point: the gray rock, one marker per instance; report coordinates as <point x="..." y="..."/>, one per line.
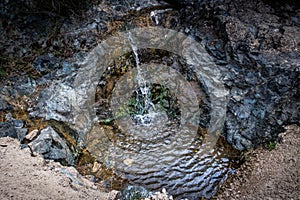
<point x="135" y="192"/>
<point x="25" y="86"/>
<point x="258" y="57"/>
<point x="52" y="146"/>
<point x="4" y="105"/>
<point x="21" y="132"/>
<point x="55" y="102"/>
<point x="13" y="128"/>
<point x="46" y="64"/>
<point x="62" y="101"/>
<point x="8" y="130"/>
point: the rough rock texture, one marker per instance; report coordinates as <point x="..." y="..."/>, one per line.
<point x="25" y="177"/>
<point x="7" y="130"/>
<point x="134" y="192"/>
<point x="52" y="146"/>
<point x="259" y="58"/>
<point x="258" y="55"/>
<point x="4" y="105"/>
<point x="255" y="45"/>
<point x="12" y="128"/>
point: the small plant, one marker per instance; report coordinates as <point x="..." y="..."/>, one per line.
<point x="107" y="121"/>
<point x="160" y="99"/>
<point x="2" y="72"/>
<point x="271" y="145"/>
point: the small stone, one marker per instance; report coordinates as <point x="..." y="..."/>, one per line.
<point x="96" y="167"/>
<point x="113" y="194"/>
<point x="30" y="136"/>
<point x="128" y="162"/>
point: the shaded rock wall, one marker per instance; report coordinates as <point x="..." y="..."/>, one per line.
<point x="255" y="45"/>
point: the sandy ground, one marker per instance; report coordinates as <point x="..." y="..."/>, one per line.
<point x="268" y="174"/>
<point x="25" y="177"/>
<point x="265" y="175"/>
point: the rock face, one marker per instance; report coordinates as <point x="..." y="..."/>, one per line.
<point x="254" y="45"/>
<point x="260" y="62"/>
<point x="258" y="57"/>
<point x="262" y="72"/>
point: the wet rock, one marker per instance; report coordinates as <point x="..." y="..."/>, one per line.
<point x="16" y="87"/>
<point x="134" y="192"/>
<point x="255" y="45"/>
<point x="52" y="67"/>
<point x="25" y="87"/>
<point x="52" y="146"/>
<point x="67" y="69"/>
<point x="21" y="132"/>
<point x="17" y="123"/>
<point x="61" y="101"/>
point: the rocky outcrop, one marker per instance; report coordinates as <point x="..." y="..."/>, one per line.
<point x="254" y="46"/>
<point x="52" y="146"/>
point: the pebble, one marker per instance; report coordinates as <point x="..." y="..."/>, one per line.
<point x="30" y="136"/>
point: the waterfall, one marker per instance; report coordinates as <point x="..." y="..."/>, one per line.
<point x="146" y="108"/>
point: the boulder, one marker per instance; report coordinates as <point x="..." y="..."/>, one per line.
<point x="52" y="146"/>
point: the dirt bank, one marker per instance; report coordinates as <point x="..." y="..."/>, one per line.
<point x="268" y="174"/>
<point x="25" y="177"/>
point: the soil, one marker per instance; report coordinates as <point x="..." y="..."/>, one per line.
<point x="268" y="174"/>
<point x="23" y="176"/>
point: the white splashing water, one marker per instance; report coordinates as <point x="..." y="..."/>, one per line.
<point x="149" y="107"/>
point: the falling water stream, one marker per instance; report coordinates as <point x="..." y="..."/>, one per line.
<point x="147" y="110"/>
